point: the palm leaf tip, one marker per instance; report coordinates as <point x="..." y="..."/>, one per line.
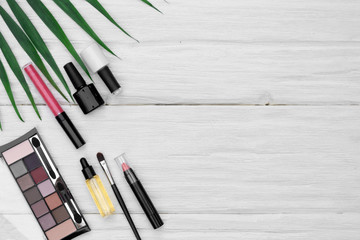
<point x="37" y="40"/>
<point x="75" y="15"/>
<point x="28" y="47"/>
<point x="151" y="5"/>
<point x="97" y="5"/>
<point x="6" y="83"/>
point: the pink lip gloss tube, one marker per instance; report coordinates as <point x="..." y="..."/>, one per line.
<point x="54" y="106"/>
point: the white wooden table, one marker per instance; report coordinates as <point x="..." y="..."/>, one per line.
<point x="241" y="118"/>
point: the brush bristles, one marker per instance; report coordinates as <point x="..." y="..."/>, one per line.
<point x="100" y="157"/>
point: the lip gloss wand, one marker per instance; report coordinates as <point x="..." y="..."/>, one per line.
<point x="106" y="169"/>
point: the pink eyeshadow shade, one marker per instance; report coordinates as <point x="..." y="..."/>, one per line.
<point x="18" y="152"/>
<point x="40" y="208"/>
<point x="47" y="222"/>
<point x="46" y="188"/>
<point x="61" y="231"/>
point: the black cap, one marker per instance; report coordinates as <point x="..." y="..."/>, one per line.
<point x="87" y="170"/>
<point x="87" y="96"/>
<point x="74" y="75"/>
<point x="109" y="79"/>
<point x="70" y="130"/>
<point x="156" y="221"/>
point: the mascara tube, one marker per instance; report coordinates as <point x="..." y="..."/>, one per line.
<point x="140" y="192"/>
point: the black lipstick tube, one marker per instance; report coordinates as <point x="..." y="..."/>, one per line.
<point x="140" y="193"/>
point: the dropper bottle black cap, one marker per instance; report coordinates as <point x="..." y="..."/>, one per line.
<point x="87" y="96"/>
<point x="87" y="170"/>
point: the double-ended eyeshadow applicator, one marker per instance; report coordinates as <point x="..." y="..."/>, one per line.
<point x="108" y="174"/>
<point x="54" y="106"/>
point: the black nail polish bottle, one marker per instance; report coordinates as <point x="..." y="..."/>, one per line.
<point x="87" y="96"/>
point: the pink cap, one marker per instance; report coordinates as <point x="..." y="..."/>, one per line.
<point x="122" y="162"/>
<point x="43" y="89"/>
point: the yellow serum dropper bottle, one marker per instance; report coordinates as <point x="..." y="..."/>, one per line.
<point x="97" y="190"/>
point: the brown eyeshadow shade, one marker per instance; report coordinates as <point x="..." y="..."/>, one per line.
<point x="39" y="208"/>
<point x="25" y="182"/>
<point x="32" y="195"/>
<point x="39" y="175"/>
<point x="61" y="231"/>
<point x="32" y="162"/>
<point x="47" y="222"/>
<point x="60" y="214"/>
<point x="53" y="201"/>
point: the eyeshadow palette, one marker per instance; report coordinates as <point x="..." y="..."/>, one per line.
<point x="43" y="187"/>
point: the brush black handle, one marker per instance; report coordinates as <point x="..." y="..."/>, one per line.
<point x="125" y="210"/>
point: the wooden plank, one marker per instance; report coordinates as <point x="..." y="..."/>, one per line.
<point x="211" y="159"/>
<point x="190" y="226"/>
<point x="221" y="73"/>
<point x="220" y="20"/>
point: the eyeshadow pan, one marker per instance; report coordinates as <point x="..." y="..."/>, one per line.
<point x="18" y="169"/>
<point x="18" y="152"/>
<point x="39" y="175"/>
<point x="32" y="195"/>
<point x="46" y="188"/>
<point x="47" y="222"/>
<point x="32" y="162"/>
<point x="25" y="182"/>
<point x="53" y="201"/>
<point x="40" y="208"/>
<point x="61" y="231"/>
<point x="60" y="214"/>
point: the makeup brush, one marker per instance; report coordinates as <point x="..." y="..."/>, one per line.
<point x="106" y="169"/>
<point x="36" y="143"/>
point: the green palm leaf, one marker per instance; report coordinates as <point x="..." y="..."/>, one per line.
<point x="102" y="10"/>
<point x="50" y="21"/>
<point x="74" y="14"/>
<point x="28" y="47"/>
<point x="149" y="3"/>
<point x="5" y="81"/>
<point x="15" y="67"/>
<point x="37" y="40"/>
